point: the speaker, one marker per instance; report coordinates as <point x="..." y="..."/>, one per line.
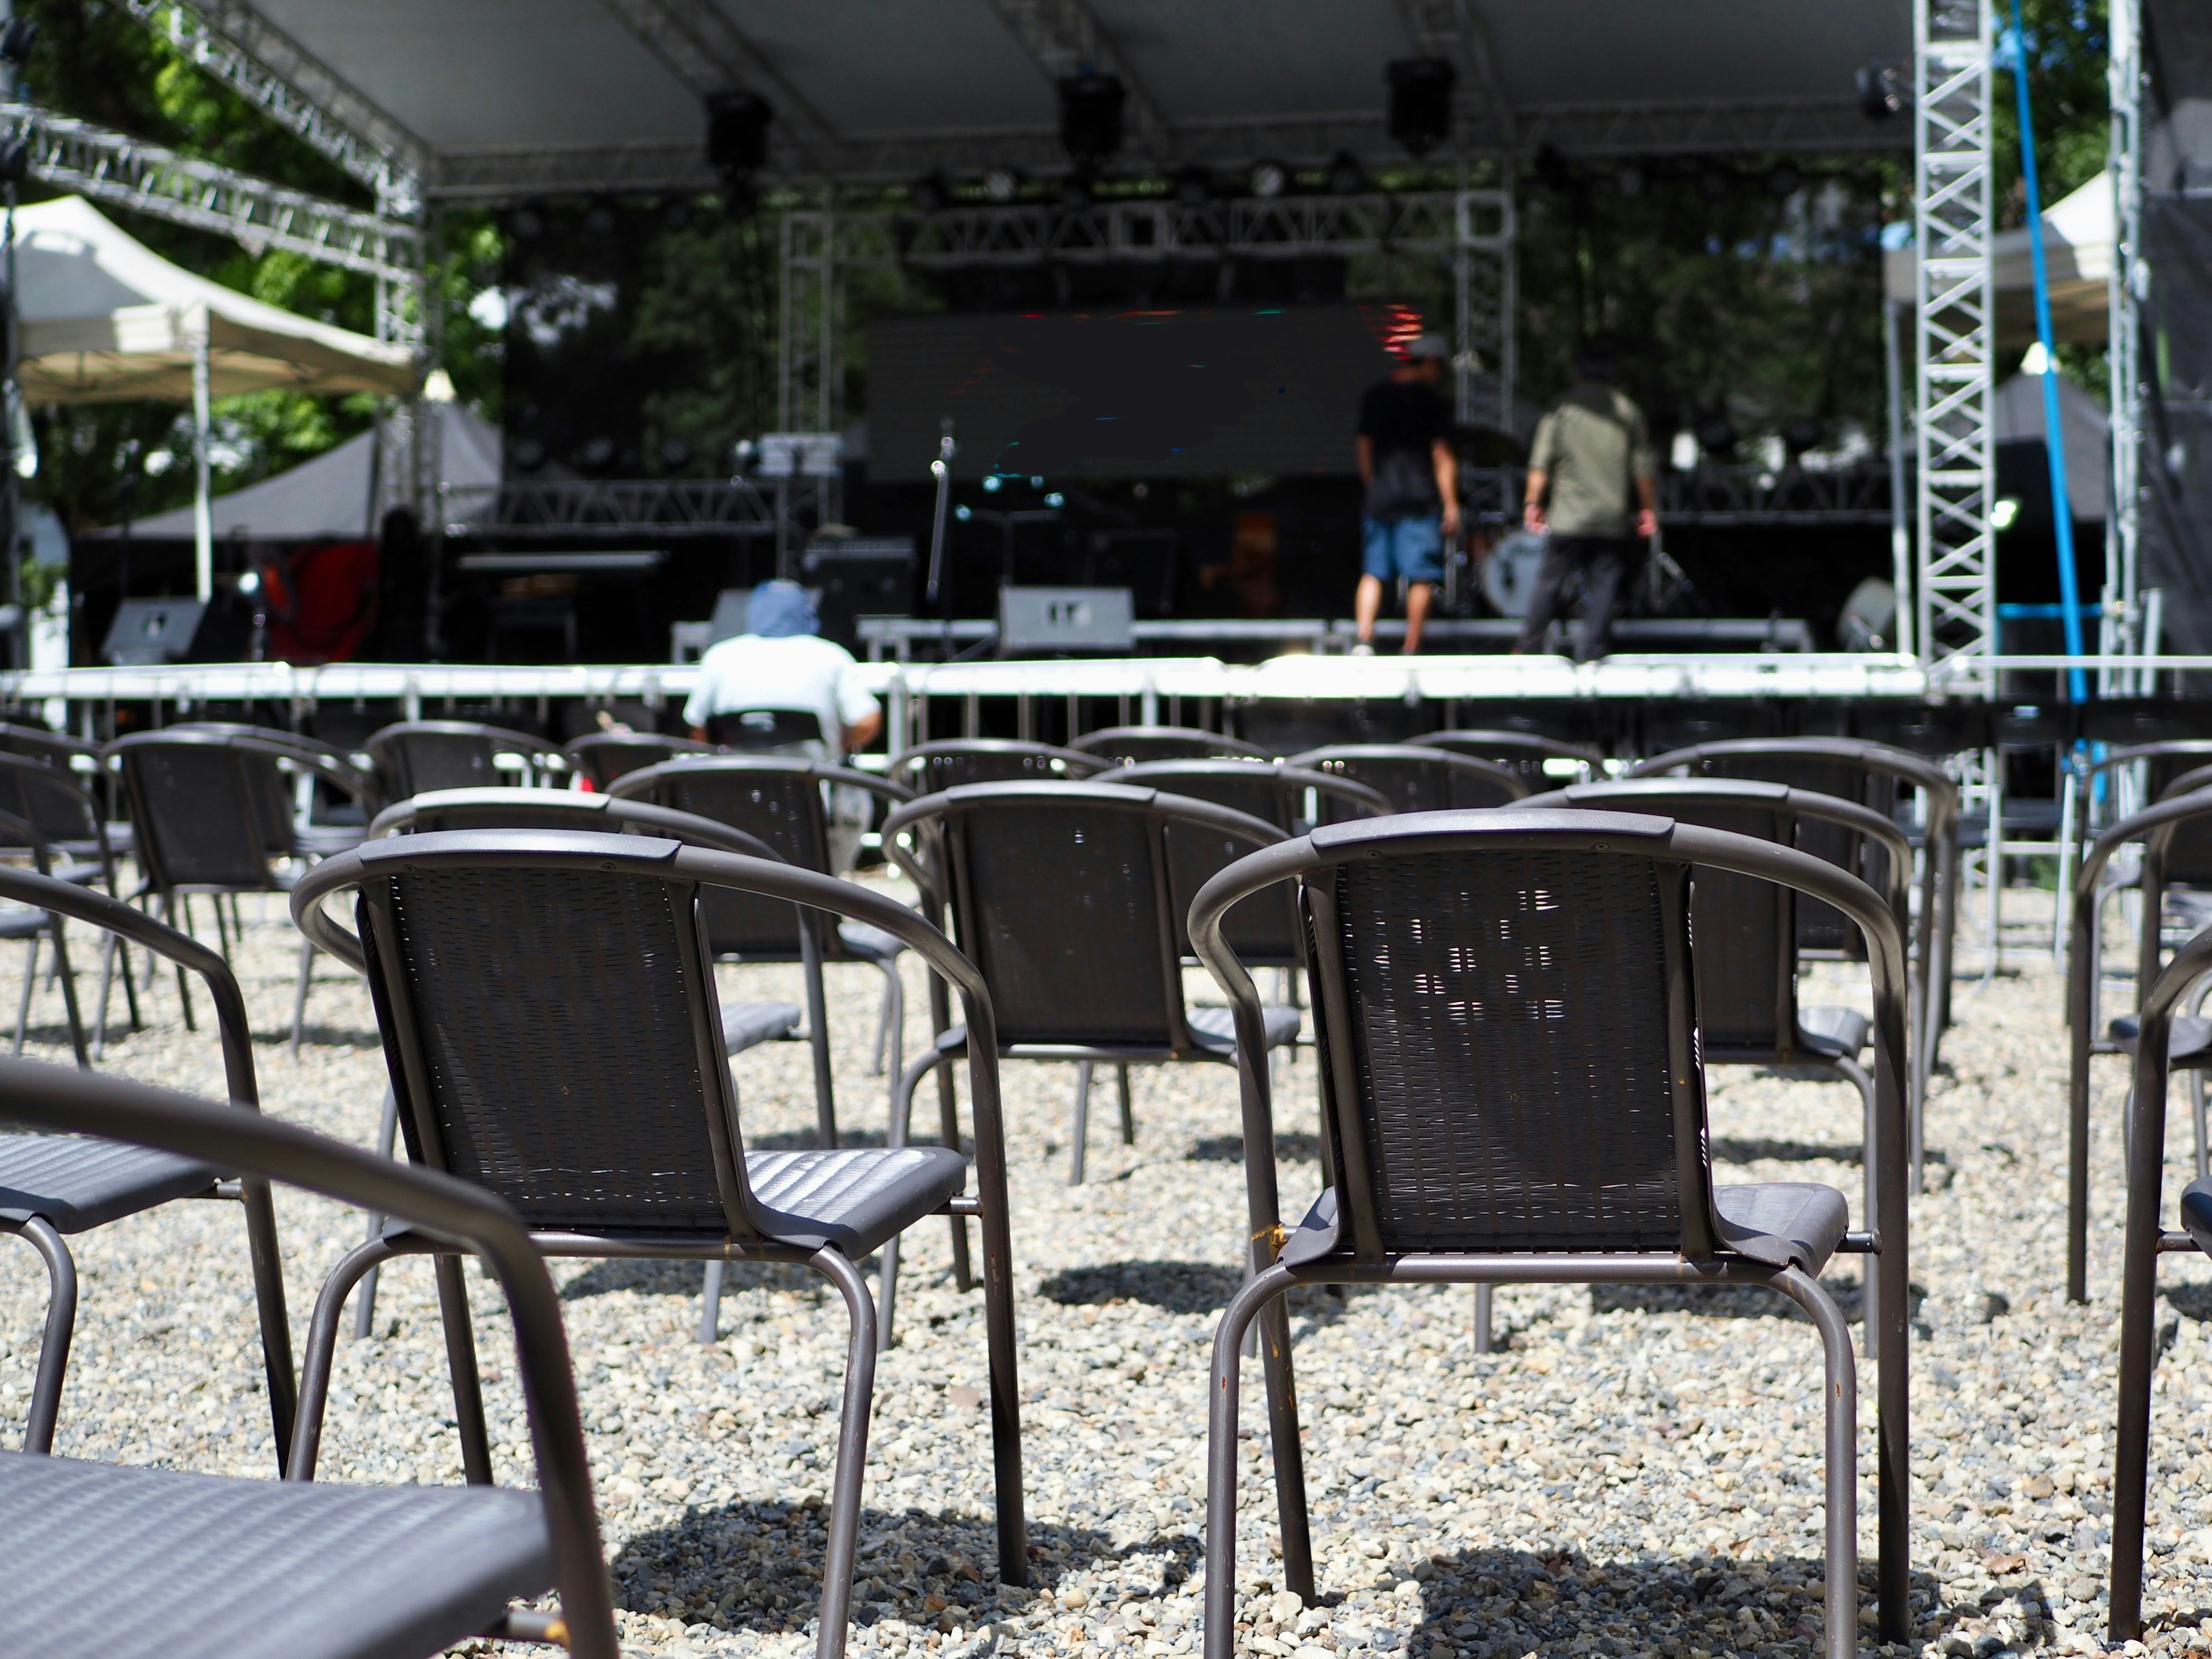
<point x="1037" y="622"/>
<point x="147" y="633"/>
<point x="858" y="577"/>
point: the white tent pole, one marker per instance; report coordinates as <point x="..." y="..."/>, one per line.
<point x="203" y="513"/>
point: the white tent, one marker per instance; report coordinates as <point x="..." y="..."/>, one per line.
<point x="327" y="498"/>
<point x="2077" y="249"/>
<point x="2017" y="414"/>
<point x="100" y="316"/>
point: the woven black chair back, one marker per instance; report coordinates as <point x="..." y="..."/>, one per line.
<point x="1413" y="777"/>
<point x="2188" y="859"/>
<point x="1511" y="1032"/>
<point x="1525" y="753"/>
<point x="769" y="732"/>
<point x="206" y="812"/>
<point x="960" y="763"/>
<point x="1136" y="745"/>
<point x="779" y="803"/>
<point x="552" y="1031"/>
<point x="1820" y="926"/>
<point x="417" y="756"/>
<point x="602" y="756"/>
<point x="50" y="798"/>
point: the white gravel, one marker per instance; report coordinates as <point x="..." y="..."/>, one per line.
<point x="1638" y="1473"/>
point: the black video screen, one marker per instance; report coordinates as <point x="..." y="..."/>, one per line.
<point x="1213" y="392"/>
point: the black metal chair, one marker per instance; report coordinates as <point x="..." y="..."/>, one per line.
<point x="744" y="1024"/>
<point x="769" y="731"/>
<point x="2183" y="820"/>
<point x="602" y="756"/>
<point x="1290" y="726"/>
<point x="212" y="812"/>
<point x="99" y="1556"/>
<point x="1527" y="752"/>
<point x="1063" y="896"/>
<point x="1415" y="778"/>
<point x="415" y="756"/>
<point x="547" y="1010"/>
<point x="2147" y="1239"/>
<point x="1507" y="1005"/>
<point x="779" y="799"/>
<point x="54" y="1186"/>
<point x="318" y="826"/>
<point x="1745" y="944"/>
<point x="85" y="762"/>
<point x="50" y="815"/>
<point x="955" y="762"/>
<point x="1136" y="745"/>
<point x="35" y="927"/>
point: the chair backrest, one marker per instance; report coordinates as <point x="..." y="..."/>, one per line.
<point x="1525" y="752"/>
<point x="328" y="764"/>
<point x="1586" y="721"/>
<point x="2186" y="850"/>
<point x="1134" y="745"/>
<point x="958" y="762"/>
<point x="53" y="800"/>
<point x="415" y="756"/>
<point x="205" y="810"/>
<point x="1668" y="723"/>
<point x="1288" y="726"/>
<point x="602" y="756"/>
<point x="442" y="811"/>
<point x="776" y="799"/>
<point x="1415" y="778"/>
<point x="1063" y="896"/>
<point x="1504" y="1003"/>
<point x="769" y="731"/>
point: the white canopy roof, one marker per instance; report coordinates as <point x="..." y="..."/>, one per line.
<point x="2077" y="247"/>
<point x="104" y="318"/>
<point x="327" y="498"/>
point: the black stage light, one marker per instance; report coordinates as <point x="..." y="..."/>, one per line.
<point x="1090" y="115"/>
<point x="1629" y="178"/>
<point x="1421" y="102"/>
<point x="1882" y="91"/>
<point x="1268" y="180"/>
<point x="1193" y="188"/>
<point x="927" y="194"/>
<point x="1346" y="176"/>
<point x="597" y="455"/>
<point x="16" y="40"/>
<point x="1001" y="185"/>
<point x="736" y="132"/>
<point x="602" y="218"/>
<point x="526" y="224"/>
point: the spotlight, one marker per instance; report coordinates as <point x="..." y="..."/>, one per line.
<point x="597" y="455"/>
<point x="1629" y="179"/>
<point x="526" y="224"/>
<point x="1421" y="102"/>
<point x="2004" y="513"/>
<point x="1055" y="500"/>
<point x="16" y="40"/>
<point x="1090" y="115"/>
<point x="736" y="132"/>
<point x="927" y="193"/>
<point x="1268" y="180"/>
<point x="601" y="218"/>
<point x="1346" y="176"/>
<point x="1882" y="91"/>
<point x="992" y="483"/>
<point x="1192" y="188"/>
<point x="1001" y="184"/>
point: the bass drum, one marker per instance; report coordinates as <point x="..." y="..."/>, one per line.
<point x="1509" y="573"/>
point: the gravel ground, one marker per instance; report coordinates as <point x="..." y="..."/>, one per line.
<point x="1636" y="1472"/>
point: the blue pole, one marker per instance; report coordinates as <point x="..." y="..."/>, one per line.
<point x="2054" y="440"/>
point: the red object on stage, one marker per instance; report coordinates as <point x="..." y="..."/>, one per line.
<point x="322" y="602"/>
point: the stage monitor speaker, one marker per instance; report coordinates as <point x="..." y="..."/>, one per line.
<point x="1037" y="621"/>
<point x="147" y="633"/>
<point x="858" y="577"/>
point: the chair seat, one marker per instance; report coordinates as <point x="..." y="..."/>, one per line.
<point x="2189" y="1041"/>
<point x="21" y="921"/>
<point x="854" y="1199"/>
<point x="1777" y="1222"/>
<point x="152" y="1563"/>
<point x="2197" y="1213"/>
<point x="869" y="943"/>
<point x="78" y="1183"/>
<point x="746" y="1024"/>
<point x="1833" y="1031"/>
<point x="1216" y="1028"/>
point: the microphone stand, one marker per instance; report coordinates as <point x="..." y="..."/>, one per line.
<point x="941" y="469"/>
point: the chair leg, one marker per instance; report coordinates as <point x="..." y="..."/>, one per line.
<point x="710" y="1304"/>
<point x="1258" y="1291"/>
<point x="844" y="1544"/>
<point x="271" y="1314"/>
<point x="895" y="1017"/>
<point x="894" y="1135"/>
<point x="387" y="1137"/>
<point x="1082" y="1122"/>
<point x="184" y="985"/>
<point x="1485" y="1302"/>
<point x="1128" y="1112"/>
<point x="69" y="997"/>
<point x="23" y="1003"/>
<point x="1843" y="1442"/>
<point x="1274" y="1328"/>
<point x="54" y="1346"/>
<point x="817" y="1037"/>
<point x="106" y="978"/>
<point x="317" y="1362"/>
<point x="299" y="995"/>
<point x="461" y="1361"/>
<point x="1870" y="1295"/>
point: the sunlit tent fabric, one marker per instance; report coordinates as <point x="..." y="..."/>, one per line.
<point x="103" y="317"/>
<point x="2077" y="246"/>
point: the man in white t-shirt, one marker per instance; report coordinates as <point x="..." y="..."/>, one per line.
<point x="779" y="663"/>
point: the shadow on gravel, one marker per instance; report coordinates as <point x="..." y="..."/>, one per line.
<point x="1736" y="1301"/>
<point x="1731" y="1149"/>
<point x="1290" y="1148"/>
<point x="758" y="1566"/>
<point x="1176" y="1286"/>
<point x="2190" y="1301"/>
<point x="1500" y="1604"/>
<point x="688" y="1278"/>
<point x="324" y="1036"/>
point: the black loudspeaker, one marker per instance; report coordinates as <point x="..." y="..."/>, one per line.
<point x="1421" y="102"/>
<point x="860" y="577"/>
<point x="1090" y="115"/>
<point x="147" y="633"/>
<point x="736" y="132"/>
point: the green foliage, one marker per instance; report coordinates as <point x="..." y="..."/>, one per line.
<point x="2068" y="52"/>
<point x="707" y="305"/>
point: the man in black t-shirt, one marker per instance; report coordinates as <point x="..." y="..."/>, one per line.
<point x="1412" y="488"/>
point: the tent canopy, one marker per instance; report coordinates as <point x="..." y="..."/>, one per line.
<point x="2077" y="248"/>
<point x="103" y="318"/>
<point x="327" y="498"/>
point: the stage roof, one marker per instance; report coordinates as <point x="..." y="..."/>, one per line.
<point x="500" y="99"/>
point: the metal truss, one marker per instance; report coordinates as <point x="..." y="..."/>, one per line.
<point x="251" y="55"/>
<point x="1750" y="127"/>
<point x="566" y="506"/>
<point x="703" y="49"/>
<point x="1954" y="334"/>
<point x="1726" y="496"/>
<point x="1449" y="29"/>
<point x="111" y="166"/>
<point x="1063" y="38"/>
<point x="1486" y="354"/>
<point x="2123" y="539"/>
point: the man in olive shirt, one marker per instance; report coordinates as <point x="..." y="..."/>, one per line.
<point x="1592" y="486"/>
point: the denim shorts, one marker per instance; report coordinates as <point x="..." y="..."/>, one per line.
<point x="1411" y="548"/>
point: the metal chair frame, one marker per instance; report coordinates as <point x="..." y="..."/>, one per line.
<point x="540" y="759"/>
<point x="63" y="898"/>
<point x="55" y="1101"/>
<point x="1458" y="770"/>
<point x="1117" y="744"/>
<point x="1314" y="1255"/>
<point x="1009" y="758"/>
<point x="580" y="752"/>
<point x="1524" y="751"/>
<point x="808" y="848"/>
<point x="686" y="871"/>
